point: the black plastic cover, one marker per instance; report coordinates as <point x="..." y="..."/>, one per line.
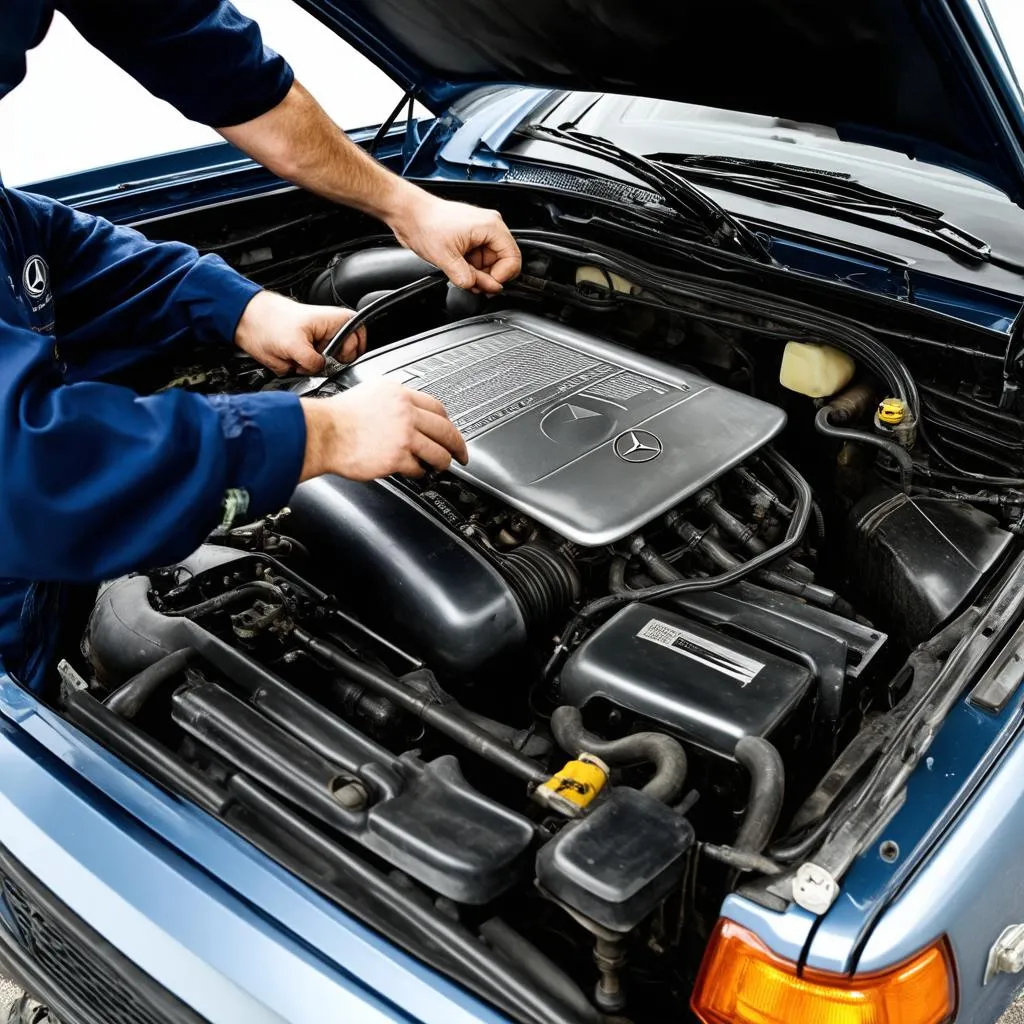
<point x="424" y="818"/>
<point x="838" y="650"/>
<point x="617" y="864"/>
<point x="916" y="561"/>
<point x="702" y="685"/>
<point x="414" y="577"/>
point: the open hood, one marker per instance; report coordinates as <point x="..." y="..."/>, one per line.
<point x="924" y="77"/>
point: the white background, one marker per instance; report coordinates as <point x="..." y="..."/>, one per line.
<point x="77" y="110"/>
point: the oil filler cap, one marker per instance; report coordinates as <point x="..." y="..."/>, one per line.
<point x="892" y="411"/>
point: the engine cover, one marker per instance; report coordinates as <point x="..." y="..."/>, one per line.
<point x="590" y="439"/>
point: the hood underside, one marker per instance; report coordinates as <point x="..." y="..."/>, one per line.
<point x="911" y="75"/>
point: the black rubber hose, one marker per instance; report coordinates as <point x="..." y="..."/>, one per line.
<point x="129" y="699"/>
<point x="426" y="709"/>
<point x="767" y="789"/>
<point x="617" y="575"/>
<point x="667" y="756"/>
<point x="542" y="970"/>
<point x="142" y="751"/>
<point x="660" y="570"/>
<point x="382" y="305"/>
<point x="728" y="523"/>
<point x="741" y="860"/>
<point x="819" y="520"/>
<point x="891" y="448"/>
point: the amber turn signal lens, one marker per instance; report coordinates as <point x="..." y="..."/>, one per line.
<point x="741" y="981"/>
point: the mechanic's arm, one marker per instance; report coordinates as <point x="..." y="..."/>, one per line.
<point x="98" y="481"/>
<point x="120" y="298"/>
<point x="299" y="142"/>
<point x="210" y="62"/>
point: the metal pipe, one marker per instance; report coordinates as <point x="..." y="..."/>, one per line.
<point x="426" y="708"/>
<point x="258" y="588"/>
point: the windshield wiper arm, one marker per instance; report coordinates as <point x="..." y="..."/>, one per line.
<point x="681" y="196"/>
<point x="835" y="192"/>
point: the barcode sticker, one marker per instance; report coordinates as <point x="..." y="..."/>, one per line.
<point x="730" y="663"/>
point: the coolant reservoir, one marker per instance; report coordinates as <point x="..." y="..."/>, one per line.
<point x="817" y="371"/>
<point x="604" y="278"/>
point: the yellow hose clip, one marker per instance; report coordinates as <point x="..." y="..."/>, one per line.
<point x="570" y="790"/>
<point x="892" y="411"/>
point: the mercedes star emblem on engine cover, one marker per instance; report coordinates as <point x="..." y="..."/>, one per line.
<point x="637" y="446"/>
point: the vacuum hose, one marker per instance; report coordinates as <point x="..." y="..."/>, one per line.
<point x="904" y="462"/>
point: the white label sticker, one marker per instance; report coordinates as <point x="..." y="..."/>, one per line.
<point x="730" y="663"/>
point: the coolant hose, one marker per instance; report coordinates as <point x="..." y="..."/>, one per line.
<point x="129" y="699"/>
<point x="667" y="756"/>
<point x="901" y="456"/>
<point x="542" y="970"/>
<point x="767" y="788"/>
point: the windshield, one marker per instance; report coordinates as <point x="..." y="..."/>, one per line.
<point x="1009" y="18"/>
<point x="76" y="110"/>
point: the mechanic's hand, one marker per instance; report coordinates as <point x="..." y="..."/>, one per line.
<point x="286" y="336"/>
<point x="378" y="428"/>
<point x="471" y="245"/>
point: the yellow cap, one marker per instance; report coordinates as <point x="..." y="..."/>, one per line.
<point x="572" y="788"/>
<point x="892" y="411"/>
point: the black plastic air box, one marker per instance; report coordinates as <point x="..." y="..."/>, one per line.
<point x="700" y="684"/>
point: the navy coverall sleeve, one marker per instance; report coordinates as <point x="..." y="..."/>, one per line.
<point x="98" y="481"/>
<point x="120" y="298"/>
<point x="202" y="56"/>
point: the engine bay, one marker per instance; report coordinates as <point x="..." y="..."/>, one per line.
<point x="538" y="714"/>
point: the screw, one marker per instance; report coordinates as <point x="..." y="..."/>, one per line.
<point x="889" y="851"/>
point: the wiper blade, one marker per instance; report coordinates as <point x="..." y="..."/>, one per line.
<point x="681" y="196"/>
<point x="824" y="189"/>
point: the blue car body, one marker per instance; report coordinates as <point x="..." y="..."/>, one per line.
<point x="234" y="937"/>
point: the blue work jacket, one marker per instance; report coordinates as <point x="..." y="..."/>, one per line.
<point x="96" y="480"/>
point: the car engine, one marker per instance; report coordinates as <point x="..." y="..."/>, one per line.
<point x="555" y="703"/>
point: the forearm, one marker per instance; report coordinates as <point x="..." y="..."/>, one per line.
<point x="299" y="142"/>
